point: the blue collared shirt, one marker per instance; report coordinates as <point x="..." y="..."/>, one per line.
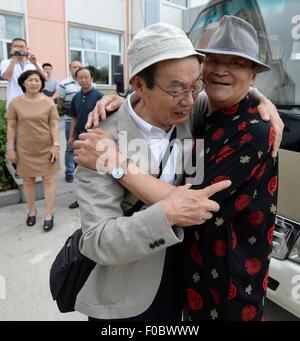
<point x="82" y="104"/>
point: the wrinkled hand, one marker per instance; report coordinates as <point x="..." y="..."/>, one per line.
<point x="11" y="156"/>
<point x="105" y="105"/>
<point x="54" y="151"/>
<point x="96" y="150"/>
<point x="268" y="112"/>
<point x="187" y="207"/>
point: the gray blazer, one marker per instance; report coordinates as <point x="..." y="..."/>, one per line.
<point x="129" y="251"/>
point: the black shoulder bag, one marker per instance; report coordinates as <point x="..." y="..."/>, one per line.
<point x="71" y="269"/>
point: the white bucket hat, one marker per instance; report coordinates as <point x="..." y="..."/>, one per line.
<point x="235" y="36"/>
<point x="156" y="43"/>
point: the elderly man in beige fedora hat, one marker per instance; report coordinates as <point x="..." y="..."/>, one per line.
<point x="231" y="253"/>
<point x="227" y="257"/>
<point x="138" y="251"/>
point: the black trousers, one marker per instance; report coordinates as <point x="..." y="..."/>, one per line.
<point x="170" y="298"/>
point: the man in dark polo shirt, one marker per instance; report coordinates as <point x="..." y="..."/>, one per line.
<point x="82" y="104"/>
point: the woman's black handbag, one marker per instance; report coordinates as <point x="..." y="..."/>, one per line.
<point x="68" y="273"/>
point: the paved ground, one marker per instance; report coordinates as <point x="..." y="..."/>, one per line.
<point x="26" y="254"/>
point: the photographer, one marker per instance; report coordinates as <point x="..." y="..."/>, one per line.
<point x="11" y="69"/>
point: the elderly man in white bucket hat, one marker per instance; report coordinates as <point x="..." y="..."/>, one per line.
<point x="138" y="275"/>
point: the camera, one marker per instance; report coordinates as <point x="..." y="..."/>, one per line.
<point x="21" y="53"/>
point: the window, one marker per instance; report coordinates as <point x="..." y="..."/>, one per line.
<point x="182" y="3"/>
<point x="98" y="49"/>
<point x="11" y="27"/>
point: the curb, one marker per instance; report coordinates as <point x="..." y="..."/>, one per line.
<point x="39" y="188"/>
<point x="11" y="197"/>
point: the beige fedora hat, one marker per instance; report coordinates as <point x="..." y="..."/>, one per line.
<point x="235" y="36"/>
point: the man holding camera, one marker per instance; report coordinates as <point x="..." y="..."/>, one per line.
<point x="11" y="69"/>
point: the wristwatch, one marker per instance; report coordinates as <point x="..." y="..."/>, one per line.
<point x="119" y="171"/>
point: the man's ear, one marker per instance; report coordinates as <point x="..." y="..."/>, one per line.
<point x="138" y="85"/>
<point x="255" y="72"/>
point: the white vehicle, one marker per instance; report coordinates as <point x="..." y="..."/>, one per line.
<point x="278" y="26"/>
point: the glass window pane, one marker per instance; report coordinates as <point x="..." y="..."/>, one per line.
<point x="13" y="27"/>
<point x="82" y="38"/>
<point x="109" y="42"/>
<point x="99" y="63"/>
<point x="90" y="58"/>
<point x="102" y="60"/>
<point x="75" y="55"/>
<point x="115" y="66"/>
<point x="103" y="67"/>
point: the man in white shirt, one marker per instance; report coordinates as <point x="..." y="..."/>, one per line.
<point x="11" y="69"/>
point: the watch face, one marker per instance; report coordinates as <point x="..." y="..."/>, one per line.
<point x="117" y="173"/>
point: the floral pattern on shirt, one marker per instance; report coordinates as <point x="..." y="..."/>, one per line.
<point x="231" y="252"/>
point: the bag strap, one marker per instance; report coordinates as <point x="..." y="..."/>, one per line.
<point x="139" y="204"/>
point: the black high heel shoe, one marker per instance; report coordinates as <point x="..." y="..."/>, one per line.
<point x="31" y="219"/>
<point x="48" y="224"/>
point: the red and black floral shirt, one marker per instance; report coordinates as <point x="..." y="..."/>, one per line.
<point x="228" y="256"/>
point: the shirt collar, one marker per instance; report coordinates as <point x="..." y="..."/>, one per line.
<point x="85" y="94"/>
<point x="228" y="113"/>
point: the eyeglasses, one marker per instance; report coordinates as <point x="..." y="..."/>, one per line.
<point x="180" y="95"/>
